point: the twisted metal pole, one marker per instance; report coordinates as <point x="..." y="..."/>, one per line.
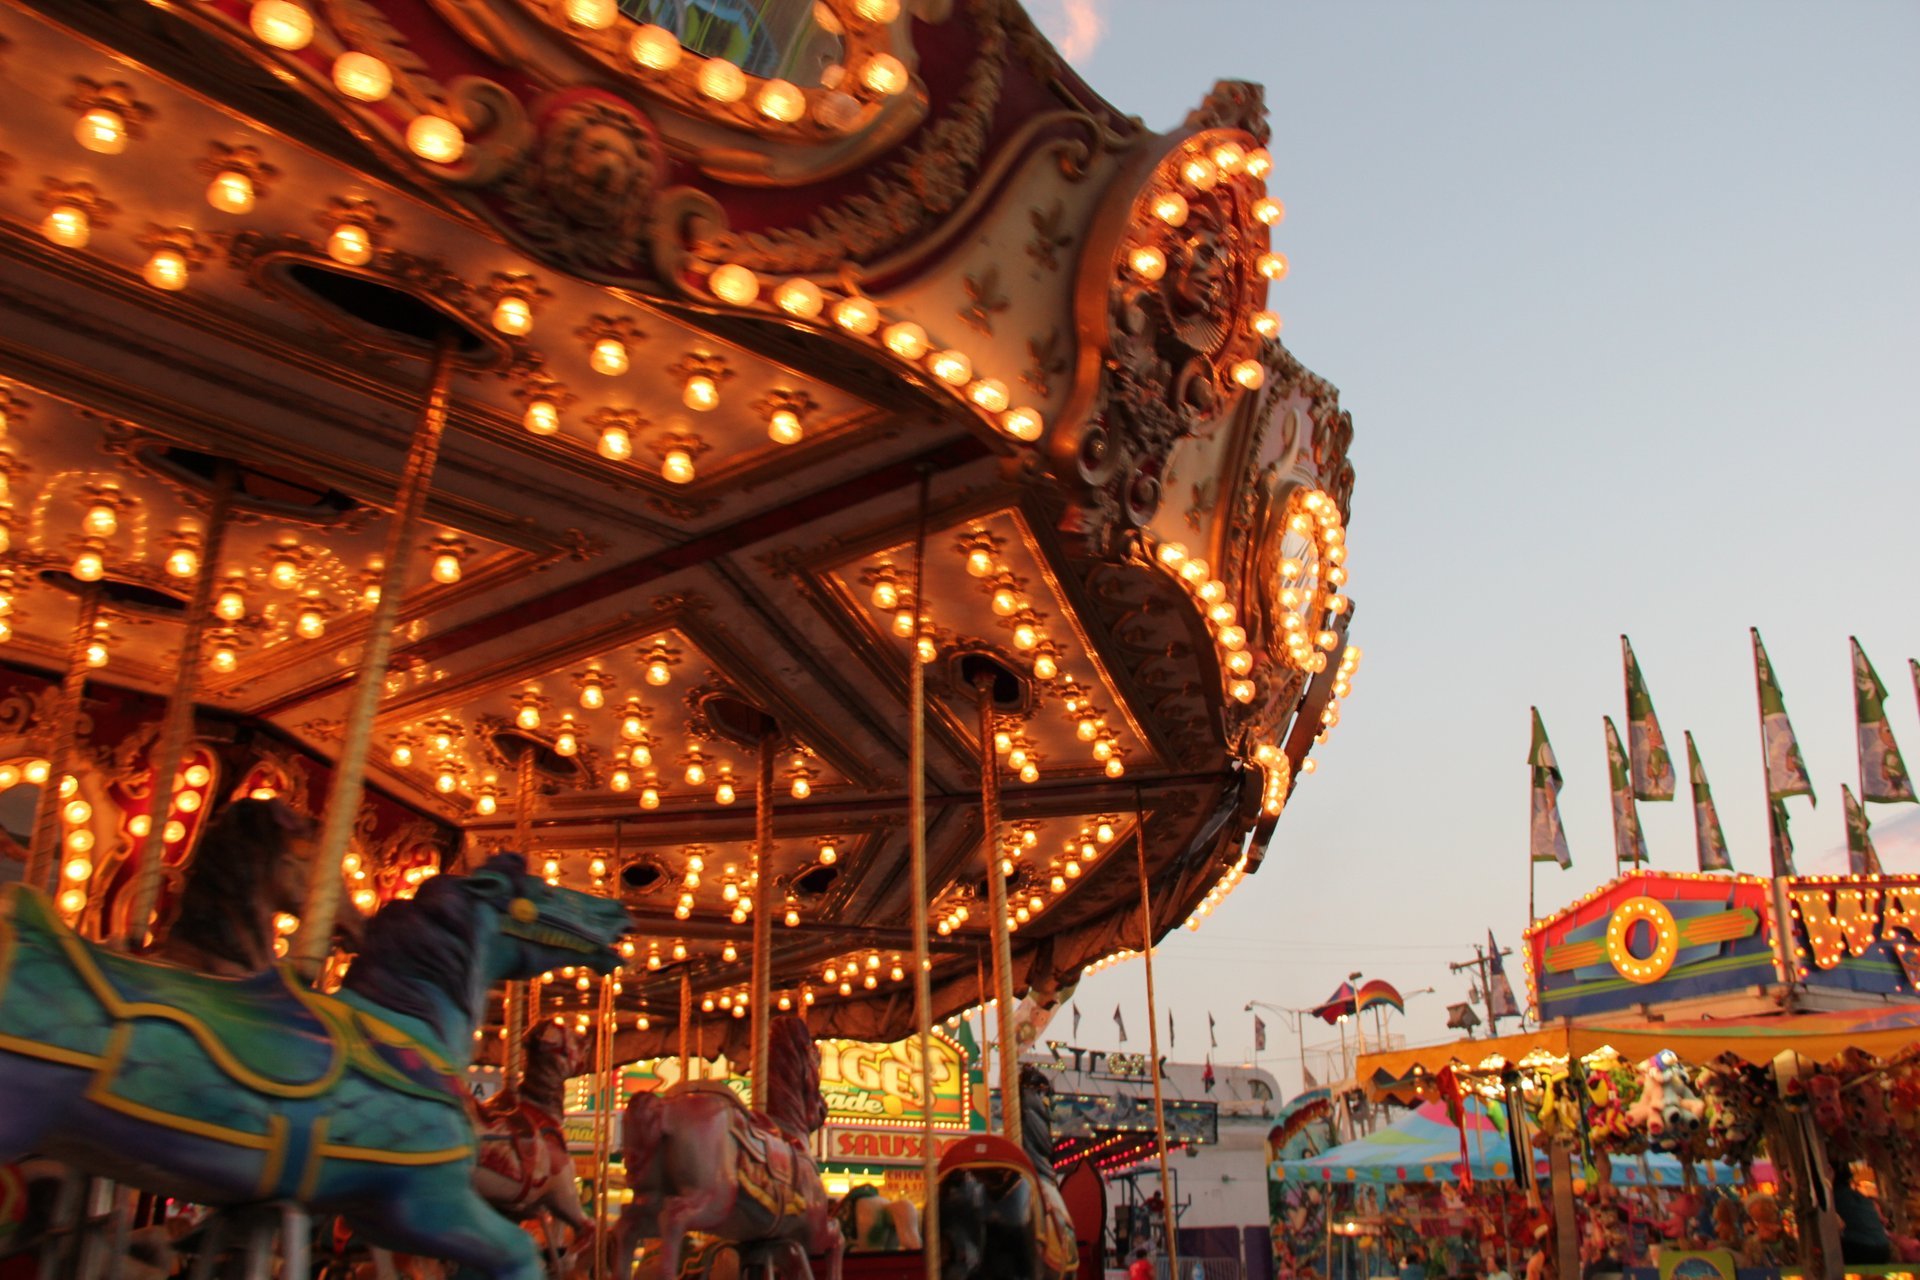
<point x="1010" y="1118"/>
<point x="350" y="768"/>
<point x="761" y="998"/>
<point x="917" y="829"/>
<point x="1170" y="1223"/>
<point x="43" y="853"/>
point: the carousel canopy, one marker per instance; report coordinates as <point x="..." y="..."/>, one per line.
<point x="728" y="320"/>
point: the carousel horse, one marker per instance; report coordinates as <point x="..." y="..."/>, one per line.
<point x="525" y="1170"/>
<point x="1005" y="1221"/>
<point x="698" y="1160"/>
<point x="248" y="1091"/>
<point x="871" y="1223"/>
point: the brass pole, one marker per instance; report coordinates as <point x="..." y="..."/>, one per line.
<point x="997" y="921"/>
<point x="761" y="1007"/>
<point x="43" y="854"/>
<point x="602" y="1118"/>
<point x="686" y="1024"/>
<point x="177" y="728"/>
<point x="1170" y="1220"/>
<point x="518" y="1008"/>
<point x="917" y="831"/>
<point x="350" y="767"/>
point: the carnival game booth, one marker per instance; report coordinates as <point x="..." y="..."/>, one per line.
<point x="1681" y="1018"/>
<point x="811" y="474"/>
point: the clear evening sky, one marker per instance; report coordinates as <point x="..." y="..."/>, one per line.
<point x="1625" y="301"/>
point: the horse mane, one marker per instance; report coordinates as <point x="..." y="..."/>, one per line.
<point x="416" y="947"/>
<point x="235" y="861"/>
<point x="793" y="1093"/>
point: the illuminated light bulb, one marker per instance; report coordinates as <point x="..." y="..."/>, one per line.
<point x="231" y="192"/>
<point x="73" y="900"/>
<point x="77" y="869"/>
<point x="311" y="624"/>
<point x="1115" y="767"/>
<point x="1240" y="662"/>
<point x="781" y="100"/>
<point x="1259" y="163"/>
<point x="697" y="774"/>
<point x="724" y="794"/>
<point x="1233" y="638"/>
<point x="846" y="988"/>
<point x="886" y="593"/>
<point x="1269" y="210"/>
<point x="446" y="568"/>
<point x="1045" y="667"/>
<point x="1148" y="262"/>
<point x="9" y="776"/>
<point x="884" y="74"/>
<point x="362" y="77"/>
<point x="513" y="315"/>
<point x="1231" y="157"/>
<point x="402" y="755"/>
<point x="350" y="245"/>
<point x="990" y="394"/>
<point x="1222" y="613"/>
<point x="1290" y="568"/>
<point x="1249" y="374"/>
<point x="870" y="981"/>
<point x="1201" y="173"/>
<point x="877" y="10"/>
<point x="593" y="694"/>
<point x="68" y="226"/>
<point x="1088" y="729"/>
<point x="1171" y="208"/>
<point x="101" y="520"/>
<point x="223" y="659"/>
<point x="436" y="138"/>
<point x="174" y="832"/>
<point x="734" y="283"/>
<point x="1029" y="772"/>
<point x="1272" y="265"/>
<point x="542" y="417"/>
<point x="77" y="812"/>
<point x="783" y="426"/>
<point x="1242" y="690"/>
<point x="828" y="855"/>
<point x="906" y="340"/>
<point x="1336" y="576"/>
<point x="567" y="743"/>
<point x="952" y="367"/>
<point x="1266" y="324"/>
<point x="979" y="562"/>
<point x="856" y="315"/>
<point x="616" y="443"/>
<point x="1326" y="640"/>
<point x="609" y="357"/>
<point x="1025" y="636"/>
<point x="798" y="297"/>
<point x="1005" y="601"/>
<point x="1336" y="604"/>
<point x="793" y="917"/>
<point x="659" y="671"/>
<point x="444" y="782"/>
<point x="282" y="24"/>
<point x="88" y="566"/>
<point x="36" y="771"/>
<point x="801" y="788"/>
<point x="701" y="393"/>
<point x="649" y="798"/>
<point x="1103" y="749"/>
<point x="722" y="81"/>
<point x="102" y="130"/>
<point x="655" y="48"/>
<point x="1022" y="423"/>
<point x="527" y="717"/>
<point x="595" y="15"/>
<point x="925" y="649"/>
<point x="677" y="466"/>
<point x="183" y="562"/>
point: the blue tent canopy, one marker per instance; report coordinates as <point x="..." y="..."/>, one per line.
<point x="1424" y="1146"/>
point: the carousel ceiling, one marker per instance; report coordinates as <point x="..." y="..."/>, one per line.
<point x="690" y="455"/>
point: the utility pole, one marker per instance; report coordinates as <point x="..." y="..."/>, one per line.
<point x="1481" y="959"/>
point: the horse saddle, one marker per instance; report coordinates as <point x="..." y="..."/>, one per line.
<point x="772" y="1170"/>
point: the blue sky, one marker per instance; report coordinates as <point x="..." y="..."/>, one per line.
<point x="1625" y="301"/>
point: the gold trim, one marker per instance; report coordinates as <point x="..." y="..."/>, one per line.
<point x="370" y="1155"/>
<point x="48" y="1053"/>
<point x="276" y="1156"/>
<point x="97" y="1093"/>
<point x="310" y="1176"/>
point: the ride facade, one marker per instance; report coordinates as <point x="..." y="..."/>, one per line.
<point x="812" y="480"/>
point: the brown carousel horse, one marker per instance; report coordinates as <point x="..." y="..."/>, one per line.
<point x="698" y="1160"/>
<point x="524" y="1169"/>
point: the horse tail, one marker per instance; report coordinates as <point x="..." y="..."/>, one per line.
<point x="641" y="1130"/>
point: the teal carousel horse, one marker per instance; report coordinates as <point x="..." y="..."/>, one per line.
<point x="237" y="1091"/>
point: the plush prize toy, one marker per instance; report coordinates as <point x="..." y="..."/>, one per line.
<point x="1608" y="1079"/>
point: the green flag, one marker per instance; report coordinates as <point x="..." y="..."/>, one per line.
<point x="1861" y="858"/>
<point x="1883" y="774"/>
<point x="1646" y="745"/>
<point x="1629" y="842"/>
<point x="1711" y="841"/>
<point x="1779" y="839"/>
<point x="1549" y="838"/>
<point x="1786" y="771"/>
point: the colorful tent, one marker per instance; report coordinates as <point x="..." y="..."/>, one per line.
<point x="1424" y="1146"/>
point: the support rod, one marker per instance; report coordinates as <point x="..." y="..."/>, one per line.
<point x="917" y="890"/>
<point x="177" y="728"/>
<point x="997" y="921"/>
<point x="350" y="767"/>
<point x="43" y="855"/>
<point x="760" y="1003"/>
<point x="1171" y="1223"/>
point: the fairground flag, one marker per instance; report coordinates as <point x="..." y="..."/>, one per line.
<point x="1646" y="745"/>
<point x="1549" y="838"/>
<point x="1913" y="669"/>
<point x="1206" y="1076"/>
<point x="1629" y="842"/>
<point x="1306" y="1078"/>
<point x="1779" y="839"/>
<point x="1786" y="771"/>
<point x="1499" y="990"/>
<point x="1259" y="1035"/>
<point x="1883" y="774"/>
<point x="1076" y="1020"/>
<point x="1213" y="1041"/>
<point x="1171" y="1039"/>
<point x="1707" y="836"/>
<point x="1120" y="1022"/>
<point x="1861" y="858"/>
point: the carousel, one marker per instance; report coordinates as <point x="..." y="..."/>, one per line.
<point x="544" y="535"/>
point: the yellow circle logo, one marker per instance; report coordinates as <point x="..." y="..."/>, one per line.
<point x="1666" y="939"/>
